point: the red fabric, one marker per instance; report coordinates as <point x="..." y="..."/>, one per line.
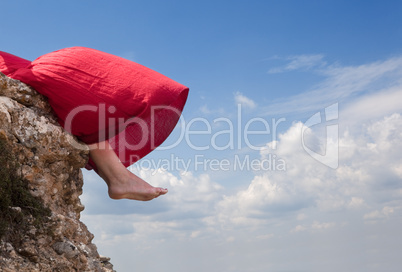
<point x="104" y="97"/>
<point x="10" y="63"/>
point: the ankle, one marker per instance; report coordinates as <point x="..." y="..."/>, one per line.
<point x="113" y="172"/>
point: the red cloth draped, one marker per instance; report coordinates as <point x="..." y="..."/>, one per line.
<point x="98" y="96"/>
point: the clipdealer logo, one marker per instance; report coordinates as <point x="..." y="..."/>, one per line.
<point x="330" y="156"/>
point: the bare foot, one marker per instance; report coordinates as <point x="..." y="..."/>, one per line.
<point x="121" y="182"/>
<point x="133" y="187"/>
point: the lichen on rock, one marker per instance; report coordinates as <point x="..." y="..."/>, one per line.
<point x="40" y="185"/>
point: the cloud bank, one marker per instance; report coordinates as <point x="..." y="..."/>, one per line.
<point x="310" y="214"/>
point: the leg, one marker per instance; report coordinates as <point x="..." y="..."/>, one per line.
<point x="121" y="182"/>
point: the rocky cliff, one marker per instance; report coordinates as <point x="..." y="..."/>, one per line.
<point x="40" y="184"/>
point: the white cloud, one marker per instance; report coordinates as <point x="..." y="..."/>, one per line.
<point x="375" y="215"/>
<point x="205" y="217"/>
<point x="325" y="225"/>
<point x="195" y="190"/>
<point x="298" y="228"/>
<point x="244" y="100"/>
<point x="372" y="107"/>
<point x="315" y="226"/>
<point x="356" y="202"/>
<point x="309" y="199"/>
<point x="299" y="62"/>
<point x="382" y="78"/>
<point x="367" y="170"/>
<point x="205" y="110"/>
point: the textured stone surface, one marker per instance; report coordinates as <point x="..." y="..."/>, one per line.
<point x="50" y="165"/>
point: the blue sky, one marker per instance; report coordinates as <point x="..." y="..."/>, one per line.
<point x="282" y="62"/>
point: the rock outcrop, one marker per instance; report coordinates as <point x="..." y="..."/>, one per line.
<point x="40" y="184"/>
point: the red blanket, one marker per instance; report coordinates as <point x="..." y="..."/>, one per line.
<point x="98" y="96"/>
